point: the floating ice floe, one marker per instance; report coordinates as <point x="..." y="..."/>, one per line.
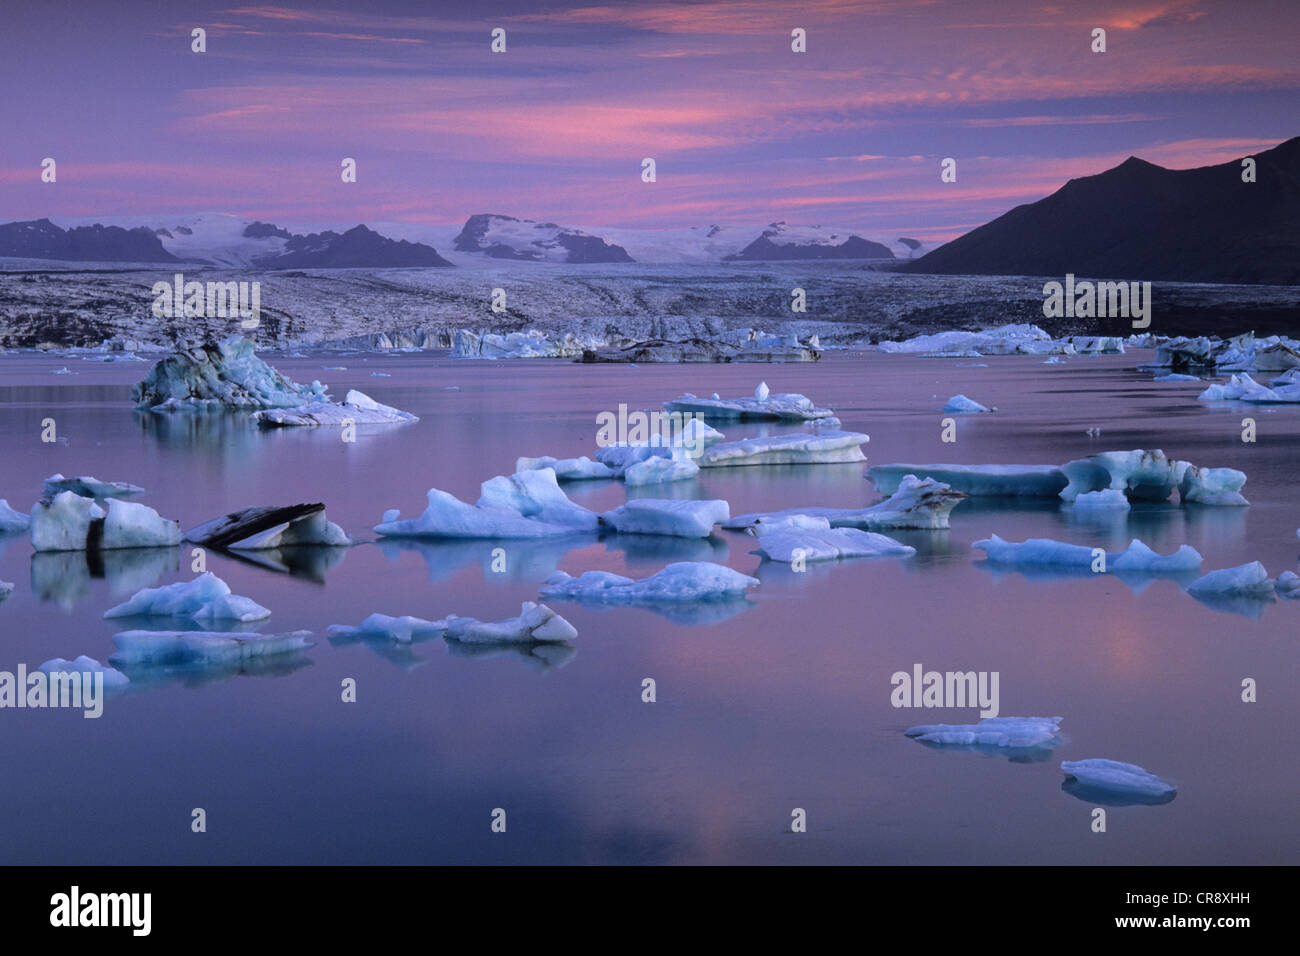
<point x="960" y="404"/>
<point x="164" y="648"/>
<point x="357" y="409"/>
<point x="1176" y="377"/>
<point x="113" y="679"/>
<point x="1143" y="475"/>
<point x="675" y="517"/>
<point x="1246" y="580"/>
<point x="1243" y="388"/>
<point x="226" y="374"/>
<point x="12" y="521"/>
<point x="1116" y="777"/>
<point x="918" y="504"/>
<point x="566" y="469"/>
<point x="1017" y="339"/>
<point x="1137" y="557"/>
<point x="1008" y="732"/>
<point x="1288" y="585"/>
<point x="88" y="487"/>
<point x="206" y="599"/>
<point x="266" y="528"/>
<point x="822" y="447"/>
<point x="764" y="406"/>
<point x="400" y="630"/>
<point x="1237" y="354"/>
<point x="70" y="522"/>
<point x="1028" y="481"/>
<point x="805" y="538"/>
<point x="536" y="623"/>
<point x="528" y="504"/>
<point x="682" y="582"/>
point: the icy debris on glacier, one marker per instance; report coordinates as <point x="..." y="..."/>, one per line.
<point x="88" y="487"/>
<point x="919" y="503"/>
<point x="1009" y="732"/>
<point x="684" y="581"/>
<point x="357" y="408"/>
<point x="821" y="447"/>
<point x="205" y="599"/>
<point x="265" y="528"/>
<point x="804" y="538"/>
<point x="164" y="648"/>
<point x="1045" y="552"/>
<point x="678" y="518"/>
<point x="1114" y="776"/>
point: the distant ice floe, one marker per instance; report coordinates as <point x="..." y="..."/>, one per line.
<point x="206" y="599"/>
<point x="269" y="528"/>
<point x="184" y="648"/>
<point x="1237" y="354"/>
<point x="678" y="518"/>
<point x="1176" y="377"/>
<point x="1004" y="732"/>
<point x="740" y="345"/>
<point x="917" y="504"/>
<point x="1125" y="781"/>
<point x="11" y="521"/>
<point x="961" y="405"/>
<point x="682" y="582"/>
<point x="536" y="623"/>
<point x="357" y="408"/>
<point x="113" y="678"/>
<point x="1044" y="552"/>
<point x="88" y="487"/>
<point x="821" y="447"/>
<point x="1015" y="339"/>
<point x="764" y="406"/>
<point x="804" y="538"/>
<point x="70" y="522"/>
<point x="1243" y="388"/>
<point x="399" y="630"/>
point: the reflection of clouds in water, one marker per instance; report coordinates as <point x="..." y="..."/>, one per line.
<point x="64" y="576"/>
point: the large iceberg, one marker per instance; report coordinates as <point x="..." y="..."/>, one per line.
<point x="1044" y="552"/>
<point x="684" y="581"/>
<point x="70" y="522"/>
<point x="226" y="374"/>
<point x="798" y="449"/>
<point x="679" y="518"/>
<point x="528" y="504"/>
<point x="1008" y="732"/>
<point x="917" y="504"/>
<point x="266" y="528"/>
<point x="206" y="599"/>
<point x="358" y="408"/>
<point x="803" y="538"/>
<point x="1143" y="475"/>
<point x="1027" y="481"/>
<point x="764" y="406"/>
<point x="1116" y="777"/>
<point x="166" y="648"/>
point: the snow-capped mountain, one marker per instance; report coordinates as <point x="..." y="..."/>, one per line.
<point x="505" y="237"/>
<point x="781" y="241"/>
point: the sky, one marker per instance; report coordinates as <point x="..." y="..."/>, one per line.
<point x="743" y="130"/>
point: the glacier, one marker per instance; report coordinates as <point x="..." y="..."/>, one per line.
<point x="536" y="623"/>
<point x="88" y="487"/>
<point x="11" y="521"/>
<point x="268" y="528"/>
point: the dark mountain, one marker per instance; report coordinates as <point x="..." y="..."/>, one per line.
<point x="42" y="239"/>
<point x="763" y="249"/>
<point x="357" y="248"/>
<point x="262" y="230"/>
<point x="1140" y="221"/>
<point x="505" y="237"/>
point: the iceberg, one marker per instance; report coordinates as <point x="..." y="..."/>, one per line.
<point x="1142" y="475"/>
<point x="113" y="679"/>
<point x="1243" y="388"/>
<point x="1027" y="481"/>
<point x="1116" y="777"/>
<point x="1016" y="339"/>
<point x="821" y="447"/>
<point x="63" y="523"/>
<point x="678" y="518"/>
<point x="70" y="522"/>
<point x="528" y="504"/>
<point x="168" y="648"/>
<point x="205" y="599"/>
<point x="1246" y="580"/>
<point x="129" y="525"/>
<point x="803" y="538"/>
<point x="536" y="623"/>
<point x="962" y="405"/>
<point x="530" y="344"/>
<point x="655" y="471"/>
<point x="1211" y="486"/>
<point x="11" y="521"/>
<point x="1137" y="557"/>
<point x="226" y="374"/>
<point x="765" y="406"/>
<point x="918" y="504"/>
<point x="1008" y="732"/>
<point x="265" y="528"/>
<point x="399" y="630"/>
<point x="88" y="487"/>
<point x="358" y="408"/>
<point x="566" y="469"/>
<point x="682" y="582"/>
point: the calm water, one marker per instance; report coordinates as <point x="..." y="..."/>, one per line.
<point x="784" y="704"/>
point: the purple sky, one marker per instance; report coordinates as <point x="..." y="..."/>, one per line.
<point x="743" y="130"/>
